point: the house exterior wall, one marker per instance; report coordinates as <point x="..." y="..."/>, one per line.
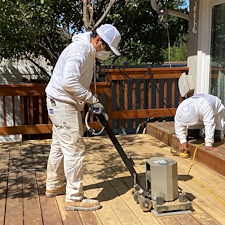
<point x="14" y="73"/>
<point x="200" y="42"/>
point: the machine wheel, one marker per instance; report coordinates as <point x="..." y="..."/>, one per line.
<point x="135" y="196"/>
<point x="145" y="203"/>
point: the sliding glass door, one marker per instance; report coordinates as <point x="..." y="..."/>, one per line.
<point x="217" y="84"/>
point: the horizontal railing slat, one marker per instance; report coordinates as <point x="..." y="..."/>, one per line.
<point x="143" y="113"/>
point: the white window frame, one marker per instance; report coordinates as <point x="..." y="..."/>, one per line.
<point x="204" y="44"/>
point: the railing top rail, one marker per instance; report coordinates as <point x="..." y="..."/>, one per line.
<point x="23" y="89"/>
<point x="153" y="69"/>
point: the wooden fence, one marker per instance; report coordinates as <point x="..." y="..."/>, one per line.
<point x="127" y="94"/>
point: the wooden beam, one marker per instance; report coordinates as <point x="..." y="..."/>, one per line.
<point x="38" y="129"/>
<point x="143" y="113"/>
<point x="26" y="129"/>
<point x="22" y="89"/>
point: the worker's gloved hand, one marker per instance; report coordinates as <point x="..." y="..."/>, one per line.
<point x="183" y="147"/>
<point x="97" y="108"/>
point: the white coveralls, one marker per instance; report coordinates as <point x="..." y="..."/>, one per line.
<point x="67" y="92"/>
<point x="209" y="113"/>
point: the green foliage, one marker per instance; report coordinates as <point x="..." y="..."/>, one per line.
<point x="179" y="51"/>
<point x="41" y="27"/>
<point x="34" y="28"/>
<point x="144" y="39"/>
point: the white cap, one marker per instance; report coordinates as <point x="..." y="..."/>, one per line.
<point x="187" y="114"/>
<point x="111" y="36"/>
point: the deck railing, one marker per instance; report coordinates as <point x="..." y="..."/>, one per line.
<point x="130" y="96"/>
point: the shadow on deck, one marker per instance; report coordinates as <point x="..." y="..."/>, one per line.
<point x="164" y="131"/>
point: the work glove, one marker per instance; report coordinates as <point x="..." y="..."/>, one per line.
<point x="97" y="108"/>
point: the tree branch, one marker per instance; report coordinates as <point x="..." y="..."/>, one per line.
<point x="105" y="13"/>
<point x="48" y="54"/>
<point x="91" y="11"/>
<point x="38" y="66"/>
<point x="86" y="14"/>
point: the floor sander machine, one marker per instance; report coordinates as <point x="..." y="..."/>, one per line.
<point x="159" y="191"/>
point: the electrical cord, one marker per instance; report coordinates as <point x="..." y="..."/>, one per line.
<point x="193" y="159"/>
<point x="91" y="130"/>
<point x="133" y="78"/>
<point x="209" y="190"/>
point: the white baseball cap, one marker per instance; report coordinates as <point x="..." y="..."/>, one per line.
<point x="111" y="36"/>
<point x="187" y="114"/>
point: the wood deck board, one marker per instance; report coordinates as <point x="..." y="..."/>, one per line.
<point x="106" y="179"/>
<point x="198" y="171"/>
<point x="14" y="203"/>
<point x="3" y="181"/>
<point x="122" y="184"/>
<point x="68" y="217"/>
<point x="165" y="133"/>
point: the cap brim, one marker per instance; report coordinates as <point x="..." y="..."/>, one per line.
<point x="115" y="50"/>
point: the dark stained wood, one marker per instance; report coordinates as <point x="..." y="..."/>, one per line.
<point x="117" y="100"/>
<point x="121" y="106"/>
<point x="30" y="190"/>
<point x="14" y="200"/>
<point x="27" y="129"/>
<point x="13" y="110"/>
<point x="134" y="99"/>
<point x="37" y="129"/>
<point x="50" y="211"/>
<point x="157" y="94"/>
<point x="102" y="87"/>
<point x="173" y="92"/>
<point x="156" y="73"/>
<point x="22" y="107"/>
<point x="143" y="113"/>
<point x="126" y="97"/>
<point x="4" y="168"/>
<point x="165" y="94"/>
<point x="31" y="110"/>
<point x="4" y="110"/>
<point x="22" y="89"/>
<point x="40" y="110"/>
<point x="31" y="199"/>
<point x="48" y="206"/>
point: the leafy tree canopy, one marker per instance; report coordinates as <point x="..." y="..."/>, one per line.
<point x="29" y="29"/>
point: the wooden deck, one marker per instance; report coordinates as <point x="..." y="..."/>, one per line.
<point x="22" y="185"/>
<point x="164" y="132"/>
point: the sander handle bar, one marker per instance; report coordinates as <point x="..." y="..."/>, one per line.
<point x="128" y="161"/>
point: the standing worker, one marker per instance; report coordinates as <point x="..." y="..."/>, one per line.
<point x="67" y="92"/>
<point x="198" y="112"/>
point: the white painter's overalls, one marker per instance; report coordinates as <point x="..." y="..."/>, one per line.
<point x="67" y="91"/>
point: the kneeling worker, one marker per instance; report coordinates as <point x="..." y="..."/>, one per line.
<point x="198" y="112"/>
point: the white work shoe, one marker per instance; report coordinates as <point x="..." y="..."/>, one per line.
<point x="85" y="204"/>
<point x="54" y="193"/>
